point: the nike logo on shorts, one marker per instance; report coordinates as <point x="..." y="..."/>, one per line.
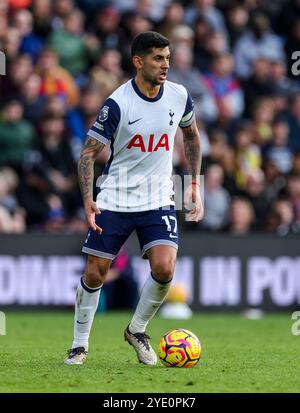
<point x="173" y="236"/>
<point x="130" y="123"/>
<point x="79" y="322"/>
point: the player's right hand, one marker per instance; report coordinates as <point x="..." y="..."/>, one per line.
<point x="193" y="194"/>
<point x="91" y="210"/>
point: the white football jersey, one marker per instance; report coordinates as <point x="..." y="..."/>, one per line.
<point x="141" y="132"/>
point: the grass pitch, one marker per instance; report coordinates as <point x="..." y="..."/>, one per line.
<point x="239" y="355"/>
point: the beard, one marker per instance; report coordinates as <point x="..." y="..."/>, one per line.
<point x="151" y="79"/>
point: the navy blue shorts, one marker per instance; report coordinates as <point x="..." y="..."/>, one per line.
<point x="155" y="227"/>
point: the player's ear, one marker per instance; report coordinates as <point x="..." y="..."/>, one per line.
<point x="137" y="62"/>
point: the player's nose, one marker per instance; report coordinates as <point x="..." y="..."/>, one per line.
<point x="166" y="64"/>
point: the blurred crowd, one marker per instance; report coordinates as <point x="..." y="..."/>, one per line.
<point x="64" y="57"/>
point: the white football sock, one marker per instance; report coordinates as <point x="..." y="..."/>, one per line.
<point x="85" y="307"/>
<point x="153" y="294"/>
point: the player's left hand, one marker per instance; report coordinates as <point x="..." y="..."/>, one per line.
<point x="193" y="194"/>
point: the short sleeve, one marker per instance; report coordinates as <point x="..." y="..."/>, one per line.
<point x="188" y="116"/>
<point x="107" y="122"/>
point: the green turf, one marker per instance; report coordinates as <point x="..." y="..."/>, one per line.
<point x="239" y="355"/>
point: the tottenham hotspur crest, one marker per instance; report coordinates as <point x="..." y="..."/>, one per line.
<point x="171" y="114"/>
<point x="104" y="114"/>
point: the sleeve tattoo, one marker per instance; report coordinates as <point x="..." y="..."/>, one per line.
<point x="88" y="155"/>
<point x="191" y="140"/>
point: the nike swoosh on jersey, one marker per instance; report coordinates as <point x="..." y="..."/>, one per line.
<point x="173" y="236"/>
<point x="130" y="123"/>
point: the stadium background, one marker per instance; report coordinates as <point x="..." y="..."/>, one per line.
<point x="64" y="57"/>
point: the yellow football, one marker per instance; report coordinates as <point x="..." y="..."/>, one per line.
<point x="179" y="348"/>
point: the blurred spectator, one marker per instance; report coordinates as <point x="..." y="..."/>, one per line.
<point x="214" y="46"/>
<point x="9" y="182"/>
<point x="90" y="7"/>
<point x="256" y="194"/>
<point x="220" y="153"/>
<point x="216" y="199"/>
<point x="242" y="217"/>
<point x="282" y="84"/>
<point x="106" y="27"/>
<point x="288" y="15"/>
<point x="18" y="4"/>
<point x="11" y="43"/>
<point x="18" y="72"/>
<point x="144" y="7"/>
<point x="74" y="49"/>
<point x="259" y="41"/>
<point x="55" y="219"/>
<point x="12" y="216"/>
<point x="173" y="17"/>
<point x="77" y="224"/>
<point x="152" y="9"/>
<point x="42" y="15"/>
<point x="285" y="218"/>
<point x="294" y="123"/>
<point x="213" y="16"/>
<point x="263" y="115"/>
<point x="296" y="163"/>
<point x="259" y="84"/>
<point x="6" y="222"/>
<point x="278" y="150"/>
<point x="16" y="135"/>
<point x="107" y="74"/>
<point x="79" y="120"/>
<point x="50" y="169"/>
<point x="228" y="165"/>
<point x="275" y="180"/>
<point x="247" y="154"/>
<point x="217" y="147"/>
<point x="61" y="9"/>
<point x="237" y="18"/>
<point x="31" y="44"/>
<point x="224" y="87"/>
<point x="3" y="26"/>
<point x="31" y="99"/>
<point x="202" y="58"/>
<point x="57" y="161"/>
<point x="182" y="71"/>
<point x="110" y="62"/>
<point x="293" y="192"/>
<point x="182" y="35"/>
<point x="56" y="81"/>
<point x="55" y="107"/>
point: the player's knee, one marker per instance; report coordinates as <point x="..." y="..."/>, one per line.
<point x="164" y="271"/>
<point x="95" y="277"/>
<point x="95" y="271"/>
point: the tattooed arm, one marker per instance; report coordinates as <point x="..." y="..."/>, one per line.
<point x="191" y="140"/>
<point x="88" y="155"/>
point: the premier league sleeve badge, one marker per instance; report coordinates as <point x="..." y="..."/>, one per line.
<point x="103" y="114"/>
